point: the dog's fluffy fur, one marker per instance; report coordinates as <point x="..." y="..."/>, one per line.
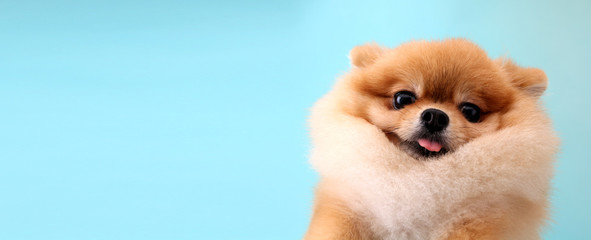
<point x="492" y="184"/>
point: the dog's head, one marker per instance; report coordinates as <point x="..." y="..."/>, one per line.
<point x="429" y="98"/>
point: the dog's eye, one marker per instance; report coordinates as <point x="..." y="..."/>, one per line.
<point x="470" y="111"/>
<point x="403" y="98"/>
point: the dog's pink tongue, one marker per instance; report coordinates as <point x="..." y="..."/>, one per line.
<point x="429" y="145"/>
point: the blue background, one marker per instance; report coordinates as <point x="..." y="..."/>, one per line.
<point x="187" y="119"/>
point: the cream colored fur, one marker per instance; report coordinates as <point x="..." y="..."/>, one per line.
<point x="399" y="197"/>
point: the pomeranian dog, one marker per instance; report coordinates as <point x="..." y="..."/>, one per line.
<point x="432" y="140"/>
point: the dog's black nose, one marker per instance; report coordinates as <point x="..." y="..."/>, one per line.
<point x="434" y="120"/>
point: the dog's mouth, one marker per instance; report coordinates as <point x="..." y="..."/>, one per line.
<point x="431" y="146"/>
<point x="425" y="147"/>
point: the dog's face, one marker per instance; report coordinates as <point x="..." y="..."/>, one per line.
<point x="429" y="98"/>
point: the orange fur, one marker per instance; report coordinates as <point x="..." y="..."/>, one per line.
<point x="333" y="219"/>
<point x="443" y="75"/>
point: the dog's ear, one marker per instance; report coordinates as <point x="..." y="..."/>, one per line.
<point x="365" y="55"/>
<point x="532" y="81"/>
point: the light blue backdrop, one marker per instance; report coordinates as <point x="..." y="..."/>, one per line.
<point x="187" y="119"/>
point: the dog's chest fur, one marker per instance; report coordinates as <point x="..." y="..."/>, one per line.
<point x="414" y="204"/>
